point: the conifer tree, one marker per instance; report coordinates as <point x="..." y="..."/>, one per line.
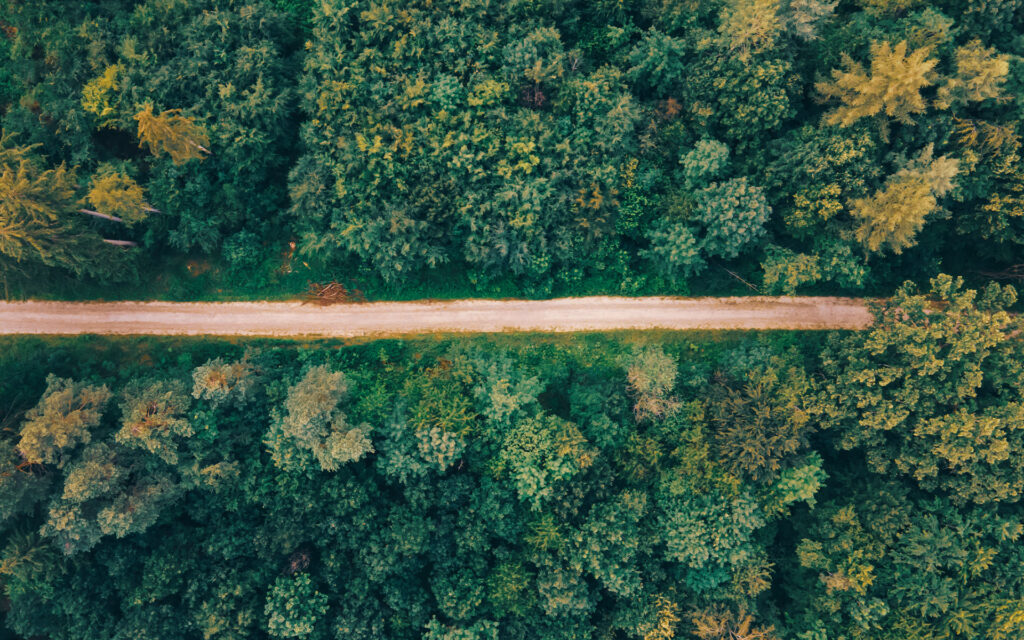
<point x="117" y="196"/>
<point x="891" y="217"/>
<point x="980" y="74"/>
<point x="34" y="203"/>
<point x="172" y="133"/>
<point x="893" y="85"/>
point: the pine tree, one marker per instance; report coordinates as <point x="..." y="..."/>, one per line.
<point x="173" y="134"/>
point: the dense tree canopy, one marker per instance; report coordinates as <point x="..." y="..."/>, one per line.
<point x="513" y="148"/>
<point x="772" y="486"/>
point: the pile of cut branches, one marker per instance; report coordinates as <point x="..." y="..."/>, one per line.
<point x="332" y="293"/>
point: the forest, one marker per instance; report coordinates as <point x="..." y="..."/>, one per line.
<point x="715" y="486"/>
<point x="632" y="485"/>
<point x="224" y="149"/>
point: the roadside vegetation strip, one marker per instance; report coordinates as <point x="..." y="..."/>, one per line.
<point x="460" y="316"/>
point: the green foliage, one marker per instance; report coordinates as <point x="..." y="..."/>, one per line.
<point x="64" y="418"/>
<point x="101" y="497"/>
<point x="785" y="271"/>
<point x="733" y="215"/>
<point x="675" y="250"/>
<point x="704" y="162"/>
<point x="687" y="519"/>
<point x="221" y="382"/>
<point x="540" y="505"/>
<point x="153" y="418"/>
<point x="293" y="607"/>
<point x="652" y="378"/>
<point x="657" y="62"/>
<point x="932" y="392"/>
<point x="761" y="422"/>
<point x="20" y="489"/>
<point x="877" y="560"/>
<point x="509" y="149"/>
<point x="540" y="454"/>
<point x="314" y="426"/>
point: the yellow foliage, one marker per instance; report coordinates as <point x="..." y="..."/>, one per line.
<point x="116" y="194"/>
<point x="629" y="172"/>
<point x="414" y="94"/>
<point x="717" y="623"/>
<point x="893" y="86"/>
<point x="668" y="618"/>
<point x="813" y="205"/>
<point x="487" y="93"/>
<point x="173" y="134"/>
<point x="751" y="25"/>
<point x="97" y="92"/>
<point x="980" y="74"/>
<point x="32" y="202"/>
<point x="892" y="216"/>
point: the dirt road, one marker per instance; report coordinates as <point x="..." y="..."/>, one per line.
<point x="397" y="318"/>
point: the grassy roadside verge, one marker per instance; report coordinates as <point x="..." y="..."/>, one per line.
<point x="25" y="361"/>
<point x="195" y="279"/>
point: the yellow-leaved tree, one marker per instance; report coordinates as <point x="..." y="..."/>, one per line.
<point x="172" y="133"/>
<point x="980" y="74"/>
<point x="34" y="202"/>
<point x="751" y="25"/>
<point x="892" y="87"/>
<point x="97" y="94"/>
<point x="891" y="217"/>
<point x="117" y="196"/>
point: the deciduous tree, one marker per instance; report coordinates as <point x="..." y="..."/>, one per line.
<point x="932" y="391"/>
<point x="64" y="418"/>
<point x="314" y="428"/>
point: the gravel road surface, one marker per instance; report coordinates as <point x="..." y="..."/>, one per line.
<point x="397" y="318"/>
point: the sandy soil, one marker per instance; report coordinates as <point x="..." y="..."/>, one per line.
<point x="396" y="318"/>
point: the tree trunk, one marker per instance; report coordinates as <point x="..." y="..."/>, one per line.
<point x="100" y="215"/>
<point x="121" y="243"/>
